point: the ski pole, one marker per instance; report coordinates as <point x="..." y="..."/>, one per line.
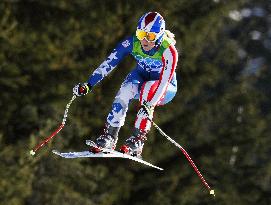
<point x="211" y="191"/>
<point x="44" y="142"/>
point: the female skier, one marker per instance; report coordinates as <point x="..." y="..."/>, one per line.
<point x="152" y="81"/>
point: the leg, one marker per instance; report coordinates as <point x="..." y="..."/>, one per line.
<point x="115" y="119"/>
<point x="135" y="143"/>
<point x="142" y="123"/>
<point x="127" y="92"/>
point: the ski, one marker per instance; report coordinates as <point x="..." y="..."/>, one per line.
<point x="104" y="153"/>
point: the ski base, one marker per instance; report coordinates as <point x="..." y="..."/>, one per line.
<point x="104" y="153"/>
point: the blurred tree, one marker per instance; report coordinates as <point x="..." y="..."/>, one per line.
<point x="220" y="114"/>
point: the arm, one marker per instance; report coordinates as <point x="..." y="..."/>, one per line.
<point x="123" y="48"/>
<point x="169" y="58"/>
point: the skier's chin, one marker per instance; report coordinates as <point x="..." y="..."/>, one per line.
<point x="147" y="47"/>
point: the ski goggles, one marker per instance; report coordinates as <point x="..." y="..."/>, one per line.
<point x="149" y="36"/>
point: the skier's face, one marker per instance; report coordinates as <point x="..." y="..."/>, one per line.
<point x="146" y="45"/>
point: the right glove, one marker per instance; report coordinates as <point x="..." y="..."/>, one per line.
<point x="81" y="89"/>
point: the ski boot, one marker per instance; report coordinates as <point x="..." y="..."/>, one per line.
<point x="107" y="140"/>
<point x="134" y="145"/>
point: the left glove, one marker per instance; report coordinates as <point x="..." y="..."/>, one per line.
<point x="81" y="89"/>
<point x="146" y="110"/>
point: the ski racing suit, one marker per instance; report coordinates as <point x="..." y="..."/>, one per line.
<point x="153" y="80"/>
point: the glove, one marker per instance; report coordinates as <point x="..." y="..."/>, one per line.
<point x="81" y="89"/>
<point x="146" y="110"/>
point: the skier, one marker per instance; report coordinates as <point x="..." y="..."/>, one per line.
<point x="152" y="81"/>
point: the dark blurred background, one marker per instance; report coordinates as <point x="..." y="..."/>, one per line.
<point x="221" y="114"/>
